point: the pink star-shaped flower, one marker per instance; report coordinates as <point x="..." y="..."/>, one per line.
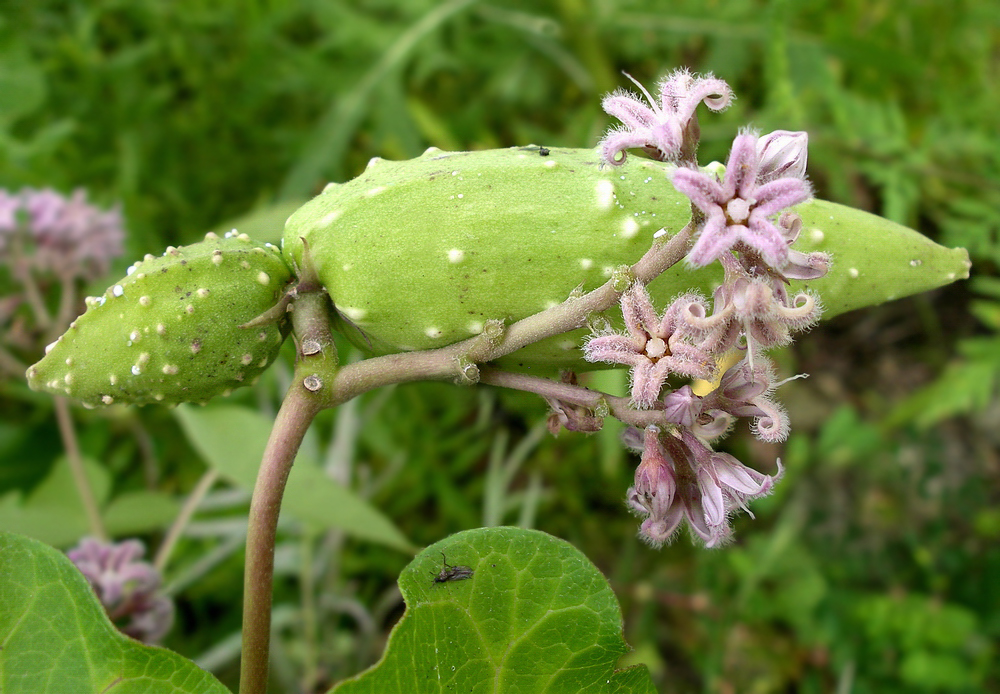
<point x="738" y="209"/>
<point x="669" y="130"/>
<point x="654" y="347"/>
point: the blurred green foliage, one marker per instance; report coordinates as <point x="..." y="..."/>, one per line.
<point x="875" y="565"/>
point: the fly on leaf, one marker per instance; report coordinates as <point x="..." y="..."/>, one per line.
<point x="451" y="572"/>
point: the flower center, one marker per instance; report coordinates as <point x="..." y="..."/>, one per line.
<point x="738" y="210"/>
<point x="656" y="348"/>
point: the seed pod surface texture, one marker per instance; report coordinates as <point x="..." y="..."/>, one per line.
<point x="169" y="332"/>
<point x="423" y="253"/>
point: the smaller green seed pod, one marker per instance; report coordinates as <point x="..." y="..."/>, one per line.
<point x="170" y="331"/>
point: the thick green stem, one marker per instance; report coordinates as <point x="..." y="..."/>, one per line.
<point x="314" y="371"/>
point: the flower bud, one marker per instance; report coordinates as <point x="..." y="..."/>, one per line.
<point x="782" y="154"/>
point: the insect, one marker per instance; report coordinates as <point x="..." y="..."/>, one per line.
<point x="422" y="253"/>
<point x="450" y="572"/>
<point x="543" y="151"/>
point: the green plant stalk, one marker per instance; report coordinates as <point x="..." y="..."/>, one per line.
<point x="184" y="517"/>
<point x="68" y="434"/>
<point x="316" y="366"/>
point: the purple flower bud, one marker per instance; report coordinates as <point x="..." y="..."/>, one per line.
<point x="782" y="153"/>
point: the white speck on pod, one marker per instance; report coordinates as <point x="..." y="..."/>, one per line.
<point x="130" y="269"/>
<point x="476" y="327"/>
<point x="586" y="263"/>
<point x="68" y="379"/>
<point x="630" y="227"/>
<point x="134" y="336"/>
<point x="161" y="329"/>
<point x="604" y="190"/>
<point x="211" y="236"/>
<point x="353" y="312"/>
<point x="195" y="346"/>
<point x="170" y="369"/>
<point x="245" y="238"/>
<point x="262" y="336"/>
<point x="567" y="345"/>
<point x="143" y="358"/>
<point x="263" y="278"/>
<point x="373" y="161"/>
<point x="245" y="265"/>
<point x="48" y="347"/>
<point x="149" y="256"/>
<point x="118" y="290"/>
<point x="189" y="308"/>
<point x="916" y="262"/>
<point x="69" y="361"/>
<point x="374" y="191"/>
<point x="456" y="255"/>
<point x="329" y="186"/>
<point x="145" y="301"/>
<point x="246" y="359"/>
<point x="329" y="219"/>
<point x="659" y="232"/>
<point x="136" y="369"/>
<point x="433" y="333"/>
<point x="158" y="397"/>
<point x="853" y="272"/>
<point x="262" y="363"/>
<point x="203" y="293"/>
<point x="607" y="271"/>
<point x="107" y="399"/>
<point x="112" y="379"/>
<point x="816" y="235"/>
<point x="217" y="257"/>
<point x="551" y="164"/>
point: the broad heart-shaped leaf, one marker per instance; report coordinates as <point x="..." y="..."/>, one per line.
<point x="534" y="616"/>
<point x="53" y="513"/>
<point x="231" y="439"/>
<point x="55" y="637"/>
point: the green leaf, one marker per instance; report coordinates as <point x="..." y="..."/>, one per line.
<point x="535" y="616"/>
<point x="232" y="439"/>
<point x="55" y="636"/>
<point x="54" y="514"/>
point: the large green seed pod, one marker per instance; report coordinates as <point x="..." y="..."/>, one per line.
<point x="170" y="332"/>
<point x="421" y="253"/>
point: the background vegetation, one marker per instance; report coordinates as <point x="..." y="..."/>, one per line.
<point x="876" y="565"/>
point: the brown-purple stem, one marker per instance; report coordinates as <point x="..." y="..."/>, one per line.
<point x="314" y="370"/>
<point x="619" y="408"/>
<point x="431" y="364"/>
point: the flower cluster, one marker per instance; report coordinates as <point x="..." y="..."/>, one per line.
<point x="741" y="219"/>
<point x="682" y="479"/>
<point x="126" y="586"/>
<point x="69" y="237"/>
